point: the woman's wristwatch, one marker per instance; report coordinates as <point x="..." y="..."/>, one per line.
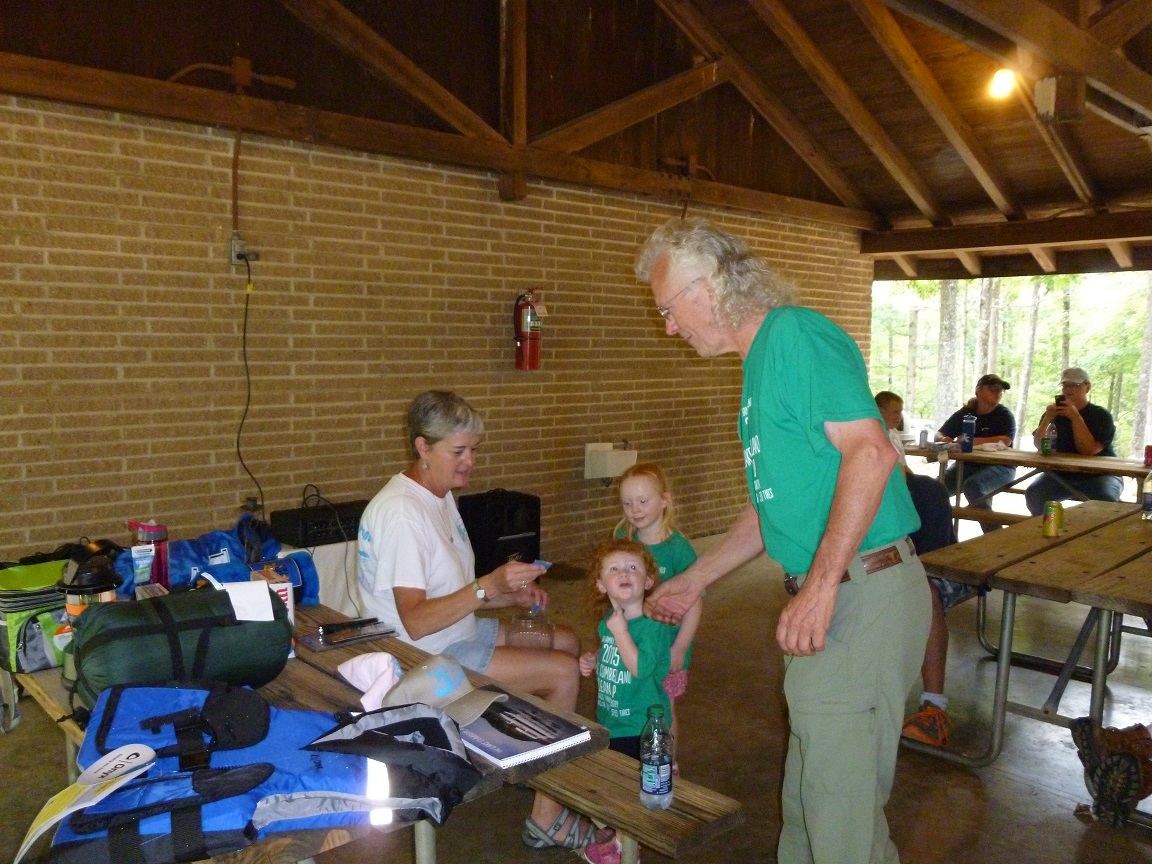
<point x="481" y="594"/>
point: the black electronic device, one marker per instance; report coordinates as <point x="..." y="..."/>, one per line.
<point x="502" y="525"/>
<point x="319" y="524"/>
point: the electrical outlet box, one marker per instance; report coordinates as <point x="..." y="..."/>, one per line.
<point x="238" y="251"/>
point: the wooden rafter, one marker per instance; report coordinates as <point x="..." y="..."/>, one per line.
<point x="887" y="33"/>
<point x="849" y="105"/>
<point x="1046" y="32"/>
<point x="1129" y="226"/>
<point x="1119" y="21"/>
<point x="63" y="82"/>
<point x="334" y="22"/>
<point x="1122" y="252"/>
<point x="1064" y="150"/>
<point x="632" y="109"/>
<point x="704" y="36"/>
<point x="513" y="186"/>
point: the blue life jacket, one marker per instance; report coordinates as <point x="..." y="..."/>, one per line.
<point x="231" y="770"/>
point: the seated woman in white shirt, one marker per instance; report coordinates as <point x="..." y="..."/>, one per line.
<point x="416" y="574"/>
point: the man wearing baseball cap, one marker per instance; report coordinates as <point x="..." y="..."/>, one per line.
<point x="994" y="425"/>
<point x="1081" y="428"/>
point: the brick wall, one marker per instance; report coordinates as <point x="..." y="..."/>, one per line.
<point x="121" y="323"/>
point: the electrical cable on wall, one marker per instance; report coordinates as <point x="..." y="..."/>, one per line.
<point x="247" y="384"/>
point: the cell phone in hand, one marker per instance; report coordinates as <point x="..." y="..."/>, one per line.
<point x="1059" y="398"/>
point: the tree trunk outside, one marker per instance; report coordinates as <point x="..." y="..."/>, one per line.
<point x="947" y="361"/>
<point x="1023" y="425"/>
<point x="1140" y="424"/>
<point x="913" y="365"/>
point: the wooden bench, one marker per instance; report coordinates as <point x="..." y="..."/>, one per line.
<point x="992" y="517"/>
<point x="605" y="786"/>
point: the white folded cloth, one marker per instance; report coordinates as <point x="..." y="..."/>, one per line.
<point x="374" y="674"/>
<point x="992" y="445"/>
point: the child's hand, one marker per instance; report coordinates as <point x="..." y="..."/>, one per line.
<point x="617" y="623"/>
<point x="588" y="663"/>
<point x="677" y="658"/>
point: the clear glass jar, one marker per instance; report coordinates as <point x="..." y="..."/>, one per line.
<point x="530" y="628"/>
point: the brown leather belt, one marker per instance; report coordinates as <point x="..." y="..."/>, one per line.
<point x="873" y="562"/>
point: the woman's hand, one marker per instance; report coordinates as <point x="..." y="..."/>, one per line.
<point x="588" y="663"/>
<point x="513" y="578"/>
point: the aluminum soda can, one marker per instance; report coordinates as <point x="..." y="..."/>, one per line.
<point x="1053" y="521"/>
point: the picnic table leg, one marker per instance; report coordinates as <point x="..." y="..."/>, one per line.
<point x="1052" y="705"/>
<point x="629" y="849"/>
<point x="425" y="842"/>
<point x="999" y="700"/>
<point x="1044" y="664"/>
<point x="1100" y="672"/>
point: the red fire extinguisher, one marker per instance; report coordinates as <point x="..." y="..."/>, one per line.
<point x="526" y="316"/>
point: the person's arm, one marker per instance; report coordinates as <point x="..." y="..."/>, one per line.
<point x="867" y="460"/>
<point x="1086" y="442"/>
<point x="1045" y="422"/>
<point x="688" y="626"/>
<point x="422" y="616"/>
<point x="671" y="600"/>
<point x="588" y="662"/>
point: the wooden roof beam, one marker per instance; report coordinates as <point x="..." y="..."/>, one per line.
<point x="907" y="265"/>
<point x="1119" y="21"/>
<point x="704" y="36"/>
<point x="1122" y="252"/>
<point x="513" y="185"/>
<point x="334" y="22"/>
<point x="1045" y="257"/>
<point x="64" y="82"/>
<point x="971" y="262"/>
<point x="838" y="92"/>
<point x="1046" y="32"/>
<point x="887" y="33"/>
<point x="1132" y="226"/>
<point x="975" y="35"/>
<point x="632" y="109"/>
<point x="1064" y="150"/>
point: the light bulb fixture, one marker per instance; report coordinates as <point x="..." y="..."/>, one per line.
<point x="1003" y="83"/>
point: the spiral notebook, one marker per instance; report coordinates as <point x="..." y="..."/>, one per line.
<point x="515" y="731"/>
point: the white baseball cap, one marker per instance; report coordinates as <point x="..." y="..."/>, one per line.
<point x="442" y="683"/>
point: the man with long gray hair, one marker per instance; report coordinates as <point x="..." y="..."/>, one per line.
<point x="828" y="504"/>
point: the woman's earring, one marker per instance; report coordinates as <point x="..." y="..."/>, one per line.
<point x="424" y="466"/>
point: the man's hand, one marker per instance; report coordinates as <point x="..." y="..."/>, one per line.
<point x="805" y="620"/>
<point x="672" y="599"/>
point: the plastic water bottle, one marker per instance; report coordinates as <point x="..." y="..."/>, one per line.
<point x="1146" y="499"/>
<point x="656" y="761"/>
<point x="968" y="433"/>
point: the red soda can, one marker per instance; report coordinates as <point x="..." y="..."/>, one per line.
<point x="1148" y="456"/>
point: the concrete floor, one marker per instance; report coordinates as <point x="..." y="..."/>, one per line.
<point x="1019" y="810"/>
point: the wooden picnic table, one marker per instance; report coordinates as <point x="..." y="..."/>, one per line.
<point x="1034" y="462"/>
<point x="1102" y="559"/>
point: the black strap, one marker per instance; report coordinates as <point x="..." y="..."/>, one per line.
<point x="170" y="628"/>
<point x="124" y="844"/>
<point x="187" y="836"/>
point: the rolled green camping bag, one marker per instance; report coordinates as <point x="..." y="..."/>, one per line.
<point x="184" y="636"/>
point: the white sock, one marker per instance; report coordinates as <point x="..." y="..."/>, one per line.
<point x="937" y="699"/>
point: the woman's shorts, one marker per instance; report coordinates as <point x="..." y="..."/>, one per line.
<point x="476" y="653"/>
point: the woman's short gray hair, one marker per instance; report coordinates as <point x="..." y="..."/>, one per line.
<point x="437" y="414"/>
<point x="743" y="285"/>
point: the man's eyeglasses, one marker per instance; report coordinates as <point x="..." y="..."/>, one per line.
<point x="666" y="309"/>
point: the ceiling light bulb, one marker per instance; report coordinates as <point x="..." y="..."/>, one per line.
<point x="1002" y="83"/>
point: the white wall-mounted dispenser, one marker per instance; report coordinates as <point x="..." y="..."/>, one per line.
<point x="603" y="461"/>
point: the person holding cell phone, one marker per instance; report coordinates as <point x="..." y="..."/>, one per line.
<point x="1083" y="429"/>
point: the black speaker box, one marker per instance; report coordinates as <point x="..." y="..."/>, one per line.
<point x="502" y="525"/>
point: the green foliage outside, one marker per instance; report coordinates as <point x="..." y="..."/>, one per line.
<point x="1101" y="316"/>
